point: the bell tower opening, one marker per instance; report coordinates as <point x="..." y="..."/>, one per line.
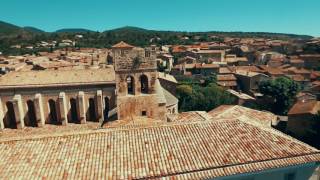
<point x="130" y="85"/>
<point x="144" y="84"/>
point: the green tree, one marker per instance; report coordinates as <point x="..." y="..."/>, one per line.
<point x="280" y="93"/>
<point x="193" y="97"/>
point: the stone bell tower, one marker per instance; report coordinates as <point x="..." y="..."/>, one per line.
<point x="136" y="82"/>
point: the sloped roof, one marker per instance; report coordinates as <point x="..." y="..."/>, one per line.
<point x="226" y="77"/>
<point x="57" y="77"/>
<point x="122" y="45"/>
<point x="190" y="116"/>
<point x="241" y="95"/>
<point x="185" y="151"/>
<point x="170" y="99"/>
<point x="235" y="111"/>
<point x="306" y="107"/>
<point x="167" y="77"/>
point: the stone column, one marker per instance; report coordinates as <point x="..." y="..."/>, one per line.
<point x="81" y="106"/>
<point x="18" y="111"/>
<point x="63" y="108"/>
<point x="38" y="105"/>
<point x="99" y="106"/>
<point x="1" y="115"/>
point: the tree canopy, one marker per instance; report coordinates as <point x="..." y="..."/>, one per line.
<point x="280" y="93"/>
<point x="205" y="97"/>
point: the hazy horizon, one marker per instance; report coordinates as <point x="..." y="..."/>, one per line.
<point x="286" y="16"/>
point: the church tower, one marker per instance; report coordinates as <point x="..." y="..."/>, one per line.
<point x="137" y="82"/>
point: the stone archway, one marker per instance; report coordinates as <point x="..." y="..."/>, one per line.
<point x="10" y="117"/>
<point x="144" y="84"/>
<point x="31" y="115"/>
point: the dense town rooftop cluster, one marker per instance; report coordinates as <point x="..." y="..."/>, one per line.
<point x="225" y="141"/>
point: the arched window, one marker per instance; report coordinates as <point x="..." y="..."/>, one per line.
<point x="144" y="84"/>
<point x="92" y="110"/>
<point x="130" y="84"/>
<point x="53" y="112"/>
<point x="73" y="111"/>
<point x="32" y="120"/>
<point x="10" y="119"/>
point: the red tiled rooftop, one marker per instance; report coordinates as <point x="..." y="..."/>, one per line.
<point x="310" y="106"/>
<point x="227" y="83"/>
<point x="184" y="151"/>
<point x="122" y="45"/>
<point x="226" y="77"/>
<point x="235" y="111"/>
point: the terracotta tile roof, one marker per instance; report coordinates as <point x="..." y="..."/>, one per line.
<point x="298" y="78"/>
<point x="227" y="83"/>
<point x="241" y="95"/>
<point x="315" y="75"/>
<point x="56" y="77"/>
<point x="298" y="70"/>
<point x="307" y="107"/>
<point x="226" y="77"/>
<point x="296" y="61"/>
<point x="208" y="66"/>
<point x="184" y="151"/>
<point x="122" y="45"/>
<point x="248" y="115"/>
<point x="224" y="70"/>
<point x="190" y="116"/>
<point x="244" y="68"/>
<point x="179" y="49"/>
<point x="272" y="70"/>
<point x="167" y="77"/>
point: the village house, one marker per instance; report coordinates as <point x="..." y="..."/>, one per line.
<point x="241" y="98"/>
<point x="166" y="61"/>
<point x="301" y="121"/>
<point x="208" y="56"/>
<point x="232" y="59"/>
<point x="228" y="81"/>
<point x="311" y="61"/>
<point x="249" y="81"/>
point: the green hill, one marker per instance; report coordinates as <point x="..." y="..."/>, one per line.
<point x="33" y="29"/>
<point x="73" y="30"/>
<point x="11" y="35"/>
<point x="9" y="29"/>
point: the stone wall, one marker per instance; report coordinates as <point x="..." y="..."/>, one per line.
<point x="134" y="59"/>
<point x="130" y="106"/>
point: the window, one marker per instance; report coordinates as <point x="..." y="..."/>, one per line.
<point x="122" y="53"/>
<point x="144" y="84"/>
<point x="147" y="53"/>
<point x="130" y="85"/>
<point x="144" y="113"/>
<point x="290" y="176"/>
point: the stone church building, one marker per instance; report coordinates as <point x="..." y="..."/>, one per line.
<point x="128" y="88"/>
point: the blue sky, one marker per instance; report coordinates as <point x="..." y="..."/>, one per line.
<point x="286" y="16"/>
